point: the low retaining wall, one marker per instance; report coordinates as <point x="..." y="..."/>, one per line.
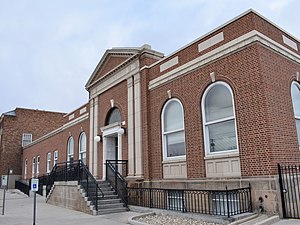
<point x="68" y="195"/>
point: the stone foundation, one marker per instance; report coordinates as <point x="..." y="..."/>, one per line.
<point x="265" y="192"/>
<point x="68" y="195"/>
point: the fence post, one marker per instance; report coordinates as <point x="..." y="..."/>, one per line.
<point x="281" y="192"/>
<point x="227" y="201"/>
<point x="97" y="197"/>
<point x="183" y="206"/>
<point x="150" y="198"/>
<point x="250" y="200"/>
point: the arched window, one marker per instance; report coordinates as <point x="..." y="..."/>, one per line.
<point x="113" y="116"/>
<point x="219" y="119"/>
<point x="38" y="165"/>
<point x="296" y="105"/>
<point x="25" y="169"/>
<point x="48" y="169"/>
<point x="71" y="150"/>
<point x="55" y="157"/>
<point x="82" y="147"/>
<point x="173" y="130"/>
<point x="33" y="167"/>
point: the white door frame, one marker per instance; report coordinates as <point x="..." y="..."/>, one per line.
<point x="108" y="131"/>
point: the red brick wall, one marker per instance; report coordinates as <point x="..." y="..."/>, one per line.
<point x="266" y="135"/>
<point x="119" y="94"/>
<point x="35" y="122"/>
<point x="56" y="142"/>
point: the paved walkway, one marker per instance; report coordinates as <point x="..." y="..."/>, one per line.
<point x="19" y="211"/>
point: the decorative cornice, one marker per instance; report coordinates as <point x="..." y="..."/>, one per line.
<point x="226" y="49"/>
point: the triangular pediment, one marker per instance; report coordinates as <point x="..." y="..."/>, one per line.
<point x="111" y="59"/>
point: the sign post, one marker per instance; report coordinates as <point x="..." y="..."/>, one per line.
<point x="4" y="185"/>
<point x="34" y="188"/>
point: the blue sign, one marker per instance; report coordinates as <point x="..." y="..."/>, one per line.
<point x="34" y="184"/>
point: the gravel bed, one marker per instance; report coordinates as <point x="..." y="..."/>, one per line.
<point x="172" y="220"/>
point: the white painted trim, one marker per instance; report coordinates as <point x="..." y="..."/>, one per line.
<point x="168" y="64"/>
<point x="109" y="82"/>
<point x="76" y="121"/>
<point x="205" y="124"/>
<point x="138" y="126"/>
<point x="71" y="116"/>
<point x="211" y="42"/>
<point x="95" y="152"/>
<point x="91" y="134"/>
<point x="130" y="128"/>
<point x="219" y="28"/>
<point x="108" y="131"/>
<point x="289" y="42"/>
<point x="83" y="110"/>
<point x="297" y="117"/>
<point x="60" y="129"/>
<point x="164" y="144"/>
<point x="226" y="49"/>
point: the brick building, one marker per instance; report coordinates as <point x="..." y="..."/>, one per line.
<point x="221" y="111"/>
<point x="19" y="128"/>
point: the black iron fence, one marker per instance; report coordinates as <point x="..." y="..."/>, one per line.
<point x="22" y="186"/>
<point x="76" y="171"/>
<point x="213" y="202"/>
<point x="289" y="182"/>
<point x="114" y="168"/>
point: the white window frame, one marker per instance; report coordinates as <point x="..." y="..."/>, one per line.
<point x="26" y="139"/>
<point x="38" y="159"/>
<point x="33" y="167"/>
<point x="164" y="134"/>
<point x="25" y="168"/>
<point x="206" y="124"/>
<point x="297" y="117"/>
<point x="55" y="157"/>
<point x="84" y="150"/>
<point x="69" y="148"/>
<point x="48" y="162"/>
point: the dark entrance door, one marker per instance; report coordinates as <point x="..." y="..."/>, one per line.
<point x="289" y="181"/>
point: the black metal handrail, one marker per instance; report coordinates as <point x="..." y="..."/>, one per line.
<point x="116" y="180"/>
<point x="213" y="202"/>
<point x="76" y="171"/>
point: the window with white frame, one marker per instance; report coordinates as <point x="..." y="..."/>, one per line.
<point x="38" y="165"/>
<point x="71" y="150"/>
<point x="296" y="105"/>
<point x="55" y="157"/>
<point x="33" y="167"/>
<point x="173" y="135"/>
<point x="82" y="147"/>
<point x="25" y="169"/>
<point x="219" y="119"/>
<point x="26" y="139"/>
<point x="49" y="162"/>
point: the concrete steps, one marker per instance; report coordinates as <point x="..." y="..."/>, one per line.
<point x="110" y="203"/>
<point x="257" y="220"/>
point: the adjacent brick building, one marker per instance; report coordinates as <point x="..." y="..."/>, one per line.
<point x="19" y="128"/>
<point x="221" y="111"/>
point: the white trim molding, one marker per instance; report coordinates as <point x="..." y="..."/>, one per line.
<point x="226" y="49"/>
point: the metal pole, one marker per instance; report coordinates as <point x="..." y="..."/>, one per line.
<point x="8" y="171"/>
<point x="3" y="205"/>
<point x="34" y="208"/>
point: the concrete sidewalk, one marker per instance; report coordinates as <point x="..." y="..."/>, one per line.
<point x="19" y="211"/>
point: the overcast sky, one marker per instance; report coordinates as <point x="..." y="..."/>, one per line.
<point x="49" y="49"/>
